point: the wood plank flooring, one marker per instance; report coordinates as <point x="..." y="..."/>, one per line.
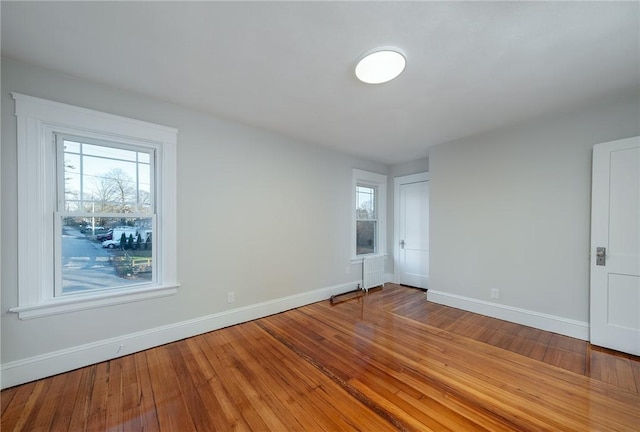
<point x="385" y="361"/>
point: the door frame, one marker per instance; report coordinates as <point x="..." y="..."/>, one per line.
<point x="397" y="182"/>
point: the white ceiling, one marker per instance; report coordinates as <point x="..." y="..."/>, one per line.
<point x="288" y="66"/>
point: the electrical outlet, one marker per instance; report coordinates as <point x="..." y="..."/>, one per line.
<point x="347" y="269"/>
<point x="495" y="293"/>
<point x="231" y="296"/>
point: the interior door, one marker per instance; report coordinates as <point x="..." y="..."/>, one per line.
<point x="615" y="246"/>
<point x="413" y="234"/>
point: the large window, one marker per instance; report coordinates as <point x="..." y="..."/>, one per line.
<point x="96" y="204"/>
<point x="368" y="208"/>
<point x="106" y="214"/>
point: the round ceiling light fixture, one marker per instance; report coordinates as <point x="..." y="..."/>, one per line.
<point x="380" y="65"/>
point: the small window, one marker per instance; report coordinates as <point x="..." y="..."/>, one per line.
<point x="366" y="220"/>
<point x="97" y="205"/>
<point x="368" y="209"/>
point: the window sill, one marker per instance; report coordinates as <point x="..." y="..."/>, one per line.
<point x="83" y="302"/>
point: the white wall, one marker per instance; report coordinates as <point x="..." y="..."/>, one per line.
<point x="258" y="214"/>
<point x="510" y="209"/>
<point x="404" y="169"/>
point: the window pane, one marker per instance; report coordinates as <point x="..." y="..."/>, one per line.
<point x="72" y="182"/>
<point x="365" y="202"/>
<point x="111" y="184"/>
<point x="107" y="179"/>
<point x="365" y="237"/>
<point x="102" y="253"/>
<point x="71" y="147"/>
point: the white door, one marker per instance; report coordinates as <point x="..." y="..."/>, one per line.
<point x="615" y="226"/>
<point x="412" y="240"/>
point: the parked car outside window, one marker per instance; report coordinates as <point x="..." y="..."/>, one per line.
<point x="107" y="236"/>
<point x="111" y="244"/>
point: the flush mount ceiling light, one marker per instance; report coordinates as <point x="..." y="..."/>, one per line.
<point x="380" y="65"/>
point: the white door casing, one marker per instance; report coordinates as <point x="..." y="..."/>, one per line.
<point x="615" y="226"/>
<point x="412" y="230"/>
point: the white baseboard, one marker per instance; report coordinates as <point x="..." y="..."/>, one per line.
<point x="44" y="365"/>
<point x="552" y="323"/>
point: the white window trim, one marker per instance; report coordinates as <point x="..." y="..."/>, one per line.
<point x="380" y="182"/>
<point x="37" y="119"/>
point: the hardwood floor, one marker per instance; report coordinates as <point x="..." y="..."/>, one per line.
<point x="578" y="356"/>
<point x="388" y="360"/>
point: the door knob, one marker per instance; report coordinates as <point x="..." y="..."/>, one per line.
<point x="402" y="244"/>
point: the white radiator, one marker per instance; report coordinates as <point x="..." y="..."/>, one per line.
<point x="372" y="271"/>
